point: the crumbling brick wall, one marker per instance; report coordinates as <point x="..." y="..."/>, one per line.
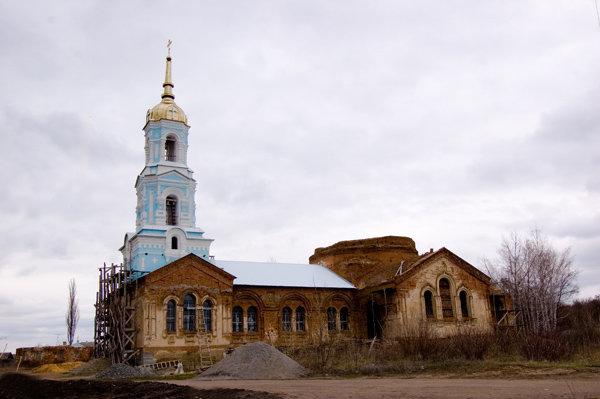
<point x="36" y="356"/>
<point x="367" y="262"/>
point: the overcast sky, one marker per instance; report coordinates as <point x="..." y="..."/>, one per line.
<point x="452" y="122"/>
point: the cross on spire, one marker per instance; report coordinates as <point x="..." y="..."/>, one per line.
<point x="168" y="84"/>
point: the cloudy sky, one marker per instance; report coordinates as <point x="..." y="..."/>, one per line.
<point x="454" y="123"/>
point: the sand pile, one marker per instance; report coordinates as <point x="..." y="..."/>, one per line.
<point x="57" y="367"/>
<point x="256" y="361"/>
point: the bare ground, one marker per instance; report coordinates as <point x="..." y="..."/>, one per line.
<point x="430" y="388"/>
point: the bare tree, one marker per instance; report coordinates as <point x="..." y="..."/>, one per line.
<point x="537" y="276"/>
<point x="72" y="311"/>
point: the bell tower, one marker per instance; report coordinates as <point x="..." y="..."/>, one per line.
<point x="165" y="212"/>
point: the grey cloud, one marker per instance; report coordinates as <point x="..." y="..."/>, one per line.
<point x="564" y="150"/>
<point x="584" y="227"/>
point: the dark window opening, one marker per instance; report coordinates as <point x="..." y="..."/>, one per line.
<point x="237" y="319"/>
<point x="300" y="319"/>
<point x="174" y="243"/>
<point x="286" y="319"/>
<point x="170" y="148"/>
<point x="464" y="304"/>
<point x="331" y="319"/>
<point x="428" y="296"/>
<point x="207" y="315"/>
<point x="252" y="319"/>
<point x="446" y="298"/>
<point x="375" y="319"/>
<point x="344" y="319"/>
<point x="171" y="205"/>
<point x="189" y="312"/>
<point x="498" y="306"/>
<point x="171" y="313"/>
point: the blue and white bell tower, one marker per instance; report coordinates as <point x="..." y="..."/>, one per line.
<point x="165" y="213"/>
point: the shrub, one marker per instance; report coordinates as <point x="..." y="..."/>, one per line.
<point x="470" y="344"/>
<point x="580" y="323"/>
<point x="546" y="347"/>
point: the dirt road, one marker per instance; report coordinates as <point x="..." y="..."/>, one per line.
<point x="430" y="388"/>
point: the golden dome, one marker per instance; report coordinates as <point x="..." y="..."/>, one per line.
<point x="167" y="109"/>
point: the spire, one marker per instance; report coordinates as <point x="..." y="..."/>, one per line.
<point x="168" y="84"/>
<point x="166" y="109"/>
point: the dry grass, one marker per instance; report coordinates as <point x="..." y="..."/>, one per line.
<point x="467" y="353"/>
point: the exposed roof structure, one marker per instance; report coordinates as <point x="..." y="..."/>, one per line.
<point x="282" y="274"/>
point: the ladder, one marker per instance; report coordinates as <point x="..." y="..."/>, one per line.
<point x="204" y="338"/>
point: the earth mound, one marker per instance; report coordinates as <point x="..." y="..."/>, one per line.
<point x="21" y="386"/>
<point x="256" y="361"/>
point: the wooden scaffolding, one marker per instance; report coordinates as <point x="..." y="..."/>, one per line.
<point x="114" y="324"/>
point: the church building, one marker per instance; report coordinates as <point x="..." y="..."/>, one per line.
<point x="361" y="289"/>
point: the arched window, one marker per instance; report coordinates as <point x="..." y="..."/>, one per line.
<point x="171" y="315"/>
<point x="174" y="243"/>
<point x="344" y="319"/>
<point x="189" y="312"/>
<point x="300" y="319"/>
<point x="331" y="319"/>
<point x="170" y="149"/>
<point x="237" y="319"/>
<point x="464" y="304"/>
<point x="446" y="298"/>
<point x="252" y="319"/>
<point x="286" y="319"/>
<point x="171" y="209"/>
<point x="428" y="297"/>
<point x="207" y="307"/>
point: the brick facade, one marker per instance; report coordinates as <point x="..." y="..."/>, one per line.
<point x="391" y="280"/>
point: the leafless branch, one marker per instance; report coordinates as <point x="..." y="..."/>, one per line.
<point x="537" y="276"/>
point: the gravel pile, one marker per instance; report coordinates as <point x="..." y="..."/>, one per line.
<point x="92" y="367"/>
<point x="256" y="361"/>
<point x="122" y="371"/>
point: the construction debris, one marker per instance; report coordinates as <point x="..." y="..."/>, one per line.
<point x="256" y="361"/>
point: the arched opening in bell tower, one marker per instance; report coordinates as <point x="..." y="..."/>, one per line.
<point x="171" y="149"/>
<point x="171" y="210"/>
